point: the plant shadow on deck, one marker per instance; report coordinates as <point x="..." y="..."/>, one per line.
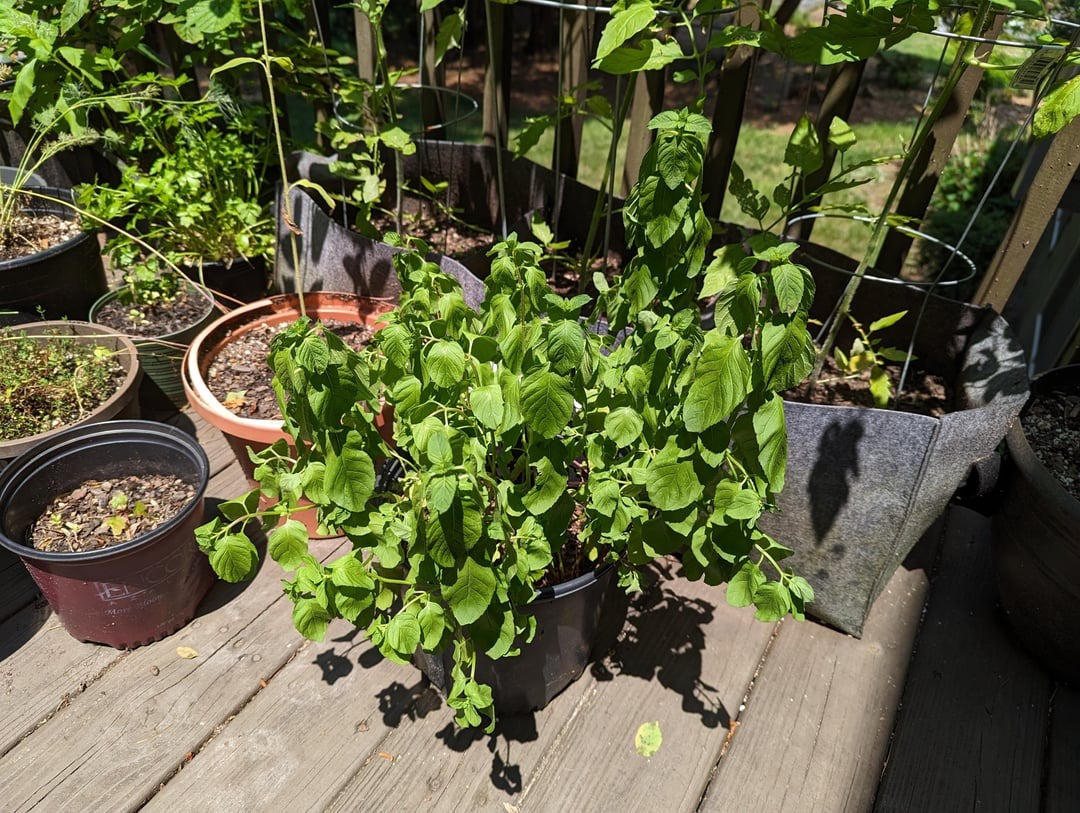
<point x="662" y="640"/>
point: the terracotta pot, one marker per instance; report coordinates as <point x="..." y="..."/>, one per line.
<point x="257" y="434"/>
<point x="122" y="404"/>
<point x="129" y="594"/>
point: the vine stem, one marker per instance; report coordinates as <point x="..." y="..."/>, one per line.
<point x="881" y="224"/>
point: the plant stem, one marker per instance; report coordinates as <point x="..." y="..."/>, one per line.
<point x="881" y="224"/>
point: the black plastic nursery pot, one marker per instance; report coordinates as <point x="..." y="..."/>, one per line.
<point x="575" y="622"/>
<point x="162" y="357"/>
<point x="237" y="282"/>
<point x="1037" y="547"/>
<point x="863" y="485"/>
<point x="133" y="593"/>
<point x="63" y="281"/>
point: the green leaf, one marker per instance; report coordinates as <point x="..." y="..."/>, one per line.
<point x="310" y="619"/>
<point x="648" y="739"/>
<point x="723" y="270"/>
<point x="650" y="55"/>
<point x="787" y="354"/>
<point x="234" y="558"/>
<point x="1058" y="108"/>
<point x="73" y="11"/>
<point x="403" y="634"/>
<point x="23" y="89"/>
<point x="841" y="136"/>
<point x="396" y="343"/>
<point x="771" y="432"/>
<point x="789" y="284"/>
<point x="287" y="544"/>
<point x="471" y="592"/>
<point x="721" y="382"/>
<point x="441" y="490"/>
<point x="313" y="354"/>
<point x="565" y="345"/>
<point x="547" y="402"/>
<point x="213" y="16"/>
<point x="886" y="321"/>
<point x="350" y="474"/>
<point x="446" y="363"/>
<point x="772" y="602"/>
<point x="623" y="425"/>
<point x="432" y="622"/>
<point x="880" y="387"/>
<point x="550" y="484"/>
<point x="804" y="148"/>
<point x="624" y="24"/>
<point x="487" y="405"/>
<point x="743" y="586"/>
<point x="672" y="484"/>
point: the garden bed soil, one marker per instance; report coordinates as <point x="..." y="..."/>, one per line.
<point x="102" y="513"/>
<point x="924" y="393"/>
<point x="155" y="319"/>
<point x="1052" y="427"/>
<point x="242" y="381"/>
<point x="31" y="234"/>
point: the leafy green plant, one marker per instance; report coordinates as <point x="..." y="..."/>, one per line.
<point x="868" y="356"/>
<point x="199" y="200"/>
<point x="513" y="423"/>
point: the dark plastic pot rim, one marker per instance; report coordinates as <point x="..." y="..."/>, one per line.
<point x="111" y="295"/>
<point x="56" y="198"/>
<point x="103" y="433"/>
<point x="575" y="585"/>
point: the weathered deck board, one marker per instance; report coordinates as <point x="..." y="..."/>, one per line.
<point x="218" y="451"/>
<point x="972" y="730"/>
<point x="131" y="729"/>
<point x="685" y="661"/>
<point x="17" y="589"/>
<point x="817" y="722"/>
<point x="1062" y="777"/>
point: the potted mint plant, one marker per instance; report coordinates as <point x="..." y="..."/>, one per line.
<point x="533" y="450"/>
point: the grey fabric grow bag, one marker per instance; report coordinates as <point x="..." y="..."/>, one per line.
<point x="863" y="485"/>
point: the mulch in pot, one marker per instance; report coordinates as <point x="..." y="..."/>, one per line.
<point x="33" y="233"/>
<point x="102" y="513"/>
<point x="160" y="318"/>
<point x="242" y="381"/>
<point x="1052" y="427"/>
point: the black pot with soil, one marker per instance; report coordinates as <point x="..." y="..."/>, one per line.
<point x="235" y="282"/>
<point x="864" y="484"/>
<point x="61" y="281"/>
<point x="1037" y="524"/>
<point x="162" y="333"/>
<point x="576" y="622"/>
<point x="139" y="589"/>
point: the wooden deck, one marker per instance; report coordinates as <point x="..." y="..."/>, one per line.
<point x="755" y="717"/>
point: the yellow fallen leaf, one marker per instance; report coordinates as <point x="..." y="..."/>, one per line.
<point x="186" y="652"/>
<point x="648" y="738"/>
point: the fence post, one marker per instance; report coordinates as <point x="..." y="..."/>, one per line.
<point x="1040" y="201"/>
<point x="575" y="48"/>
<point x="432" y="75"/>
<point x="648" y="93"/>
<point x="496" y="77"/>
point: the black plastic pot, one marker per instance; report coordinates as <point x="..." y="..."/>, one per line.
<point x="133" y="593"/>
<point x="65" y="280"/>
<point x="239" y="281"/>
<point x="1037" y="547"/>
<point x="161" y="357"/>
<point x="575" y="622"/>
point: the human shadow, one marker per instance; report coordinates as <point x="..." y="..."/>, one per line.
<point x="836" y="464"/>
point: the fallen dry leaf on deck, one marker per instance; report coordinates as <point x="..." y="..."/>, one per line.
<point x="186" y="652"/>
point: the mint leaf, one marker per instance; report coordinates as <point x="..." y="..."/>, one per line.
<point x="471" y="592"/>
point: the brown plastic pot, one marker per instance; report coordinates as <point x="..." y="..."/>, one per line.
<point x="1037" y="547"/>
<point x="130" y="594"/>
<point x="257" y="434"/>
<point x="123" y="403"/>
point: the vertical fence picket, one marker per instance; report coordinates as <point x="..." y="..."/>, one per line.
<point x="575" y="51"/>
<point x="648" y="93"/>
<point x="496" y="104"/>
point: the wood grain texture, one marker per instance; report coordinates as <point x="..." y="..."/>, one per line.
<point x="815" y="730"/>
<point x="1062" y="794"/>
<point x="972" y="729"/>
<point x="113" y="745"/>
<point x="298" y="741"/>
